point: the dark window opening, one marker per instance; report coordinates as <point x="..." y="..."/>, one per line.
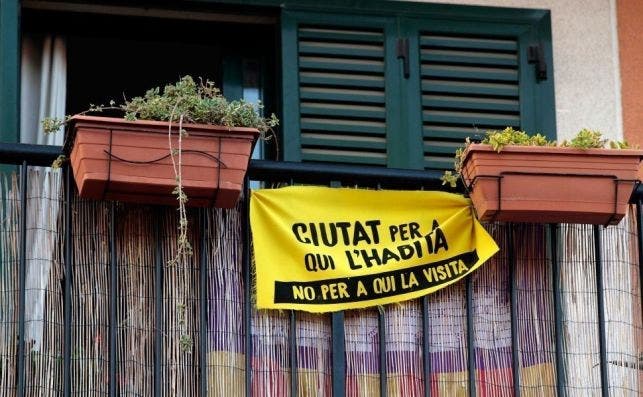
<point x="113" y="56"/>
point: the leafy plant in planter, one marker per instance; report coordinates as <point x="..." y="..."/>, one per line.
<point x="186" y="111"/>
<point x="512" y="176"/>
<point x="184" y="141"/>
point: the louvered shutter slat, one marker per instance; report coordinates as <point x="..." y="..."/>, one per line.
<point x="470" y="118"/>
<point x="339" y="34"/>
<point x="347" y="80"/>
<point x="469" y="88"/>
<point x="469" y="73"/>
<point x="446" y="132"/>
<point x="340" y="49"/>
<point x="458" y="102"/>
<point x="469" y="42"/>
<point x="348" y="126"/>
<point x="479" y="58"/>
<point x="340" y="64"/>
<point x="336" y="95"/>
<point x="344" y="110"/>
<point x="350" y="142"/>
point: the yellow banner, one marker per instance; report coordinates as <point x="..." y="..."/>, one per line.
<point x="322" y="249"/>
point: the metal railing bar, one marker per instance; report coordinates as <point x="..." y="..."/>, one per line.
<point x="426" y="347"/>
<point x="471" y="350"/>
<point x="247" y="279"/>
<point x="338" y="345"/>
<point x="558" y="311"/>
<point x="600" y="302"/>
<point x="381" y="325"/>
<point x="44" y="155"/>
<point x="17" y="153"/>
<point x="513" y="302"/>
<point x="158" y="305"/>
<point x="113" y="303"/>
<point x="68" y="252"/>
<point x="203" y="304"/>
<point x="292" y="342"/>
<point x="22" y="279"/>
<point x="338" y="354"/>
<point x="639" y="240"/>
<point x="292" y="339"/>
<point x="347" y="174"/>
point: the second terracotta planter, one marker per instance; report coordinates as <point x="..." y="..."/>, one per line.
<point x="125" y="160"/>
<point x="550" y="184"/>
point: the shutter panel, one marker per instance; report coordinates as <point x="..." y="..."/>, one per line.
<point x="469" y="84"/>
<point x="340" y="85"/>
<point x="348" y="100"/>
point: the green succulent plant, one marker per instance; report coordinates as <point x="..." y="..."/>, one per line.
<point x="200" y="103"/>
<point x="498" y="139"/>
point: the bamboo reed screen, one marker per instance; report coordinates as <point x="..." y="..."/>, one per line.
<point x="138" y="327"/>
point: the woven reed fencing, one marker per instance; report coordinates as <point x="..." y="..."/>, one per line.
<point x="139" y="227"/>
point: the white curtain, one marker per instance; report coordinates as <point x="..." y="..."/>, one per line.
<point x="43" y="90"/>
<point x="43" y="86"/>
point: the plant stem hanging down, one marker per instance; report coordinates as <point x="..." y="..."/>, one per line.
<point x="184" y="249"/>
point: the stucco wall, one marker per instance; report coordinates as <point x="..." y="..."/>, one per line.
<point x="586" y="63"/>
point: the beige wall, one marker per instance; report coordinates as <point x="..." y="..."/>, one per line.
<point x="586" y="63"/>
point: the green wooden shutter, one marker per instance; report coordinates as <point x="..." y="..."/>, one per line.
<point x="473" y="77"/>
<point x="9" y="71"/>
<point x="347" y="99"/>
<point x="335" y="71"/>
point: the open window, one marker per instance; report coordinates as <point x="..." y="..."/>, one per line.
<point x="95" y="58"/>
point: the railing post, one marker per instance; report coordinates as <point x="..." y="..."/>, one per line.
<point x="639" y="240"/>
<point x="292" y="338"/>
<point x="600" y="302"/>
<point x="471" y="351"/>
<point x="338" y="345"/>
<point x="513" y="301"/>
<point x="203" y="302"/>
<point x="247" y="279"/>
<point x="113" y="304"/>
<point x="22" y="279"/>
<point x="69" y="268"/>
<point x="426" y="347"/>
<point x="381" y="323"/>
<point x="158" y="305"/>
<point x="558" y="311"/>
<point x="338" y="354"/>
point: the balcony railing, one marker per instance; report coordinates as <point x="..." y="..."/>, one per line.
<point x="284" y="172"/>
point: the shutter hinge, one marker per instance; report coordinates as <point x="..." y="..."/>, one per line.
<point x="403" y="53"/>
<point x="537" y="56"/>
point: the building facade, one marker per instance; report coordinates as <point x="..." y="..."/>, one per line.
<point x="374" y="94"/>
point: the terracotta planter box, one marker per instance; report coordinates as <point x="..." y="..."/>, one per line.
<point x="116" y="159"/>
<point x="550" y="185"/>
